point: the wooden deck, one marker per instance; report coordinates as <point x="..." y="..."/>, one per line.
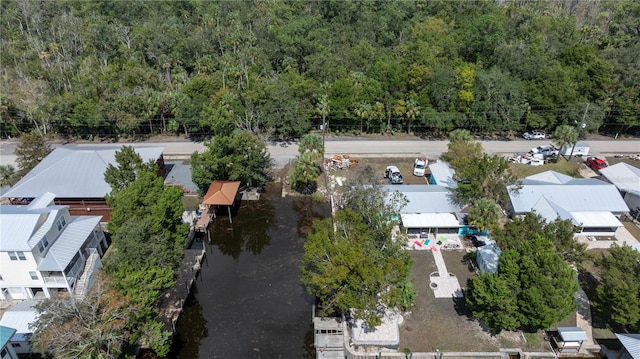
<point x="205" y="218"/>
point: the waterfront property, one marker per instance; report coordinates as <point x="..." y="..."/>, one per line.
<point x="220" y="194"/>
<point x="45" y="250"/>
<point x="76" y="176"/>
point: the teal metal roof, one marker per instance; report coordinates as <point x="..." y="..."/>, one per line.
<point x="5" y="334"/>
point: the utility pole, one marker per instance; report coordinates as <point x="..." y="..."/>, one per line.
<point x="581" y="125"/>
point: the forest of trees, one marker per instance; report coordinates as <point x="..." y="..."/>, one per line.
<point x="87" y="69"/>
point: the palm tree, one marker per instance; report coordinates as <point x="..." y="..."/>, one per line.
<point x="565" y="135"/>
<point x="305" y="174"/>
<point x="460" y="135"/>
<point x="484" y="214"/>
<point x="7" y="175"/>
<point x="312" y="144"/>
<point x="322" y="107"/>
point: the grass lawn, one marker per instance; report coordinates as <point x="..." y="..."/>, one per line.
<point x="632" y="228"/>
<point x="447" y="324"/>
<point x="569" y="168"/>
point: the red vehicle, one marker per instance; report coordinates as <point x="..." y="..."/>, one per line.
<point x="596" y="163"/>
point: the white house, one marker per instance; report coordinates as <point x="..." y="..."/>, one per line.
<point x="627" y="179"/>
<point x="429" y="210"/>
<point x="592" y="205"/>
<point x="20" y="317"/>
<point x="45" y="250"/>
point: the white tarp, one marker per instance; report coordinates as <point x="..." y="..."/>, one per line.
<point x="430" y="220"/>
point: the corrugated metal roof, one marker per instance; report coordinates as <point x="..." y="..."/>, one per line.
<point x="550" y="177"/>
<point x="68" y="243"/>
<point x="5" y="334"/>
<point x="631" y="342"/>
<point x="44" y="227"/>
<point x="21" y="227"/>
<point x="20" y="316"/>
<point x="443" y="174"/>
<point x="42" y="201"/>
<point x="74" y="172"/>
<point x="624" y="176"/>
<point x="572" y="334"/>
<point x="425" y="198"/>
<point x="596" y="219"/>
<point x="15" y="231"/>
<point x="573" y="195"/>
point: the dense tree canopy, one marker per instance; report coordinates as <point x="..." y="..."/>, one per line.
<point x="241" y="156"/>
<point x="351" y="262"/>
<point x="619" y="292"/>
<point x="532" y="289"/>
<point x="478" y="175"/>
<point x="197" y="68"/>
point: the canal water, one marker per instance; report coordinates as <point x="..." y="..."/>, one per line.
<point x="248" y="301"/>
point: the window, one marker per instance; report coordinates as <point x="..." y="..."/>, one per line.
<point x="43" y="244"/>
<point x="17" y="256"/>
<point x="61" y="223"/>
<point x="15" y="345"/>
<point x="3" y="353"/>
<point x="1" y="277"/>
<point x="33" y="275"/>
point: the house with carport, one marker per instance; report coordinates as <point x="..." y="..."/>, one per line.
<point x="76" y="176"/>
<point x="45" y="250"/>
<point x="627" y="179"/>
<point x="592" y="205"/>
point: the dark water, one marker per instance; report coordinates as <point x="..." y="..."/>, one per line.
<point x="248" y="301"/>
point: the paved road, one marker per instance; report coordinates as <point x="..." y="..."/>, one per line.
<point x="283" y="152"/>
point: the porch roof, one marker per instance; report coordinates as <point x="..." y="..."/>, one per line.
<point x="221" y="193"/>
<point x="430" y="220"/>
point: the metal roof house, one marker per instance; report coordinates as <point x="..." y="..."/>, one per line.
<point x="76" y="176"/>
<point x="627" y="178"/>
<point x="429" y="209"/>
<point x="6" y="349"/>
<point x="44" y="250"/>
<point x="19" y="317"/>
<point x="591" y="204"/>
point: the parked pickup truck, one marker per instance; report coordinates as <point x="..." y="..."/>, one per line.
<point x="420" y="166"/>
<point x="545" y="151"/>
<point x="393" y="174"/>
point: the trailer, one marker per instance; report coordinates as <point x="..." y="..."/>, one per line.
<point x="580" y="149"/>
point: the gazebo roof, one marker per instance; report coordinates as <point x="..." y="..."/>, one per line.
<point x="221" y="193"/>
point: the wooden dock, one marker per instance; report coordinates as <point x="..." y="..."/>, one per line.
<point x="173" y="300"/>
<point x="203" y="221"/>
